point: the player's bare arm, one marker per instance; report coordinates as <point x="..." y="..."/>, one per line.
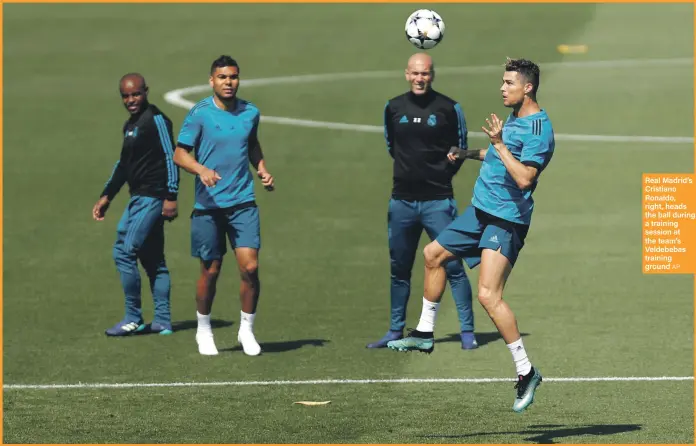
<point x="256" y="159"/>
<point x="265" y="176"/>
<point x="186" y="161"/>
<point x="457" y="153"/>
<point x="522" y="174"/>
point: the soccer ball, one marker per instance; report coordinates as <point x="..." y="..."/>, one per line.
<point x="425" y="29"/>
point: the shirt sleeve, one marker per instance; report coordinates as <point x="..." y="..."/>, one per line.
<point x="191" y="129"/>
<point x="537" y="150"/>
<point x="462" y="131"/>
<point x="115" y="182"/>
<point x="166" y="140"/>
<point x="388" y="130"/>
<point x="462" y="135"/>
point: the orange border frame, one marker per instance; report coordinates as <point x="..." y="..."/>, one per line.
<point x="281" y="1"/>
<point x="345" y="1"/>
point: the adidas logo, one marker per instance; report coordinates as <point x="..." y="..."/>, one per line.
<point x="131" y="326"/>
<point x="494" y="239"/>
<point x="403" y="120"/>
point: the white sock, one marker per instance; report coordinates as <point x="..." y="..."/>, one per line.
<point x="247" y="321"/>
<point x="519" y="355"/>
<point x="204" y="323"/>
<point x="428" y="315"/>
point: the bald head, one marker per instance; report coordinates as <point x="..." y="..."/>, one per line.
<point x="133" y="92"/>
<point x="420" y="73"/>
<point x="133" y="80"/>
<point x="420" y="61"/>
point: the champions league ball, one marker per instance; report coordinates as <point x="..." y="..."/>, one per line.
<point x="425" y="29"/>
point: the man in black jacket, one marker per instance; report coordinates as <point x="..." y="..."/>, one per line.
<point x="147" y="164"/>
<point x="421" y="126"/>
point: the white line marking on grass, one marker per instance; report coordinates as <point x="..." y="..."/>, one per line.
<point x="336" y="381"/>
<point x="176" y="97"/>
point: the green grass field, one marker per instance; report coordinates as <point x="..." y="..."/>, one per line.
<point x="582" y="303"/>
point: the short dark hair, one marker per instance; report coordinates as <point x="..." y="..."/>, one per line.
<point x="528" y="69"/>
<point x="223" y="61"/>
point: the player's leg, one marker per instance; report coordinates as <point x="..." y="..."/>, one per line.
<point x="208" y="245"/>
<point x="459" y="239"/>
<point x="404" y="230"/>
<point x="153" y="261"/>
<point x="244" y="232"/>
<point x="423" y="338"/>
<point x="436" y="216"/>
<point x="205" y="294"/>
<point x="501" y="243"/>
<point x="249" y="291"/>
<point x="495" y="269"/>
<point x="139" y="217"/>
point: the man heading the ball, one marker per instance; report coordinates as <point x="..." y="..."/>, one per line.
<point x="492" y="230"/>
<point x="420" y="126"/>
<point x="218" y="138"/>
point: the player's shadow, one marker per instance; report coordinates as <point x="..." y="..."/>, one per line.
<point x="280" y="347"/>
<point x="547" y="433"/>
<point x="481" y="338"/>
<point x="191" y="325"/>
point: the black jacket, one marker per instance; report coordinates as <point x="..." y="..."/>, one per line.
<point x="420" y="130"/>
<point x="147" y="158"/>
